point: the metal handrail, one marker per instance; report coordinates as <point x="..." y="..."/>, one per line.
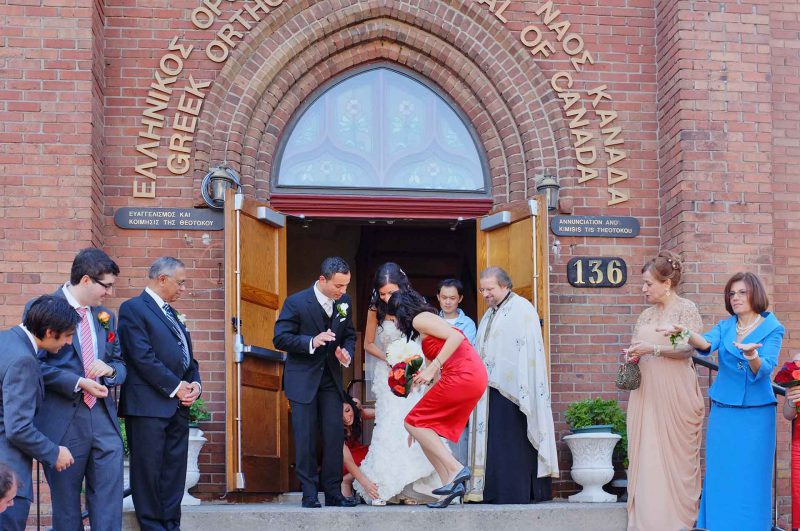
<point x="777" y="390"/>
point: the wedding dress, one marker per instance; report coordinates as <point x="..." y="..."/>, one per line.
<point x="401" y="473"/>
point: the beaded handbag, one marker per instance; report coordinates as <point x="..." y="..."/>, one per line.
<point x="629" y="376"/>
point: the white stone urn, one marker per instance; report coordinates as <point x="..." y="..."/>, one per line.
<point x="591" y="465"/>
<point x="196" y="442"/>
<point x="127" y="502"/>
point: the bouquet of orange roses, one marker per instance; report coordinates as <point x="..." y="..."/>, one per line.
<point x="402" y="373"/>
<point x="405" y="360"/>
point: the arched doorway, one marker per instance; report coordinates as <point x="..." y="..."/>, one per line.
<point x="256" y="104"/>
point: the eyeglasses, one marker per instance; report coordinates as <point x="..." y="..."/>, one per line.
<point x="178" y="282"/>
<point x="107" y="287"/>
<point x="741" y="293"/>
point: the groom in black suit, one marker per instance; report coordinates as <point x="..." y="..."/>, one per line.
<point x="315" y="328"/>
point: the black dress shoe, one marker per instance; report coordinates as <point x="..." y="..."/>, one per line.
<point x="340" y="501"/>
<point x="310" y="502"/>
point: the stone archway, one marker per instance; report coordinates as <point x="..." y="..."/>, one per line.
<point x="462" y="49"/>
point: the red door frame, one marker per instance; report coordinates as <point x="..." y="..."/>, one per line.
<point x="371" y="206"/>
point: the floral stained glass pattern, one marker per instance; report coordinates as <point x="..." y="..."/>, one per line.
<point x="381" y="129"/>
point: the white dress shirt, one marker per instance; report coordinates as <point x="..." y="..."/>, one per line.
<point x="327" y="305"/>
<point x="30" y="336"/>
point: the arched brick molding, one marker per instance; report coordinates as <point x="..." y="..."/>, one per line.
<point x="303" y="45"/>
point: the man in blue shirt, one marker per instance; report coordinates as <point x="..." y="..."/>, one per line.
<point x="450" y="293"/>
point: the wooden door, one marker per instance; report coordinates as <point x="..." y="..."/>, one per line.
<point x="515" y="238"/>
<point x="257" y="412"/>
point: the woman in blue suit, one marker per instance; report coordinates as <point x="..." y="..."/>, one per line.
<point x="740" y="442"/>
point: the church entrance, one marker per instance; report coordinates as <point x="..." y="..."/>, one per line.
<point x="427" y="250"/>
<point x="270" y="255"/>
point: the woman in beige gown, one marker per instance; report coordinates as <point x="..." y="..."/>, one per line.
<point x="665" y="415"/>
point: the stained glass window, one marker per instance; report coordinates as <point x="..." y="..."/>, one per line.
<point x="381" y="129"/>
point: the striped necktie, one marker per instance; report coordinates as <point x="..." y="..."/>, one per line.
<point x="87" y="351"/>
<point x="170" y="313"/>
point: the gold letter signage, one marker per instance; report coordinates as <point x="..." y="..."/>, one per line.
<point x="584" y="141"/>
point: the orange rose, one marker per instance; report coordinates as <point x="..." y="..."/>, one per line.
<point x="104" y="319"/>
<point x="796" y="374"/>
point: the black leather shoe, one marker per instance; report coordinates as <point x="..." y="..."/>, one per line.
<point x="462" y="477"/>
<point x="310" y="502"/>
<point x="340" y="501"/>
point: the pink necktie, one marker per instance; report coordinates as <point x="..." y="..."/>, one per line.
<point x="87" y="351"/>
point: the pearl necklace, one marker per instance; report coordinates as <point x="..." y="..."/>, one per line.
<point x="742" y="330"/>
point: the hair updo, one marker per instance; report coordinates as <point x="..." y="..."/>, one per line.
<point x="666" y="266"/>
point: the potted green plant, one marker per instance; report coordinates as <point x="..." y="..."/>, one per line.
<point x="595" y="415"/>
<point x="198" y="412"/>
<point x="597" y="427"/>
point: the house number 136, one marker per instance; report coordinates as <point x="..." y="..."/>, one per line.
<point x="600" y="272"/>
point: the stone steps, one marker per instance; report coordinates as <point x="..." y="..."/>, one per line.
<point x="286" y="514"/>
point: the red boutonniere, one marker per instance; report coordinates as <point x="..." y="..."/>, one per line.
<point x="111" y="337"/>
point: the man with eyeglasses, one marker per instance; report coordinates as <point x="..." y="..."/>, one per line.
<point x="163" y="382"/>
<point x="78" y="411"/>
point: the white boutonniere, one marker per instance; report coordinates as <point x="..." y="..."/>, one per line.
<point x="341" y="309"/>
<point x="181" y="318"/>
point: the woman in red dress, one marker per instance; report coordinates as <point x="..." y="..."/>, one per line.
<point x="790" y="413"/>
<point x="446" y="407"/>
<point x="354" y="451"/>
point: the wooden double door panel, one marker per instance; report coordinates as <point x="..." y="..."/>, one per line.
<point x="257" y="412"/>
<point x="258" y="441"/>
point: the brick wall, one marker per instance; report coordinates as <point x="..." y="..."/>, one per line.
<point x="706" y="96"/>
<point x="784" y="22"/>
<point x="45" y="146"/>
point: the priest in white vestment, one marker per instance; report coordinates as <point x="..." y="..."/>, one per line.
<point x="512" y="447"/>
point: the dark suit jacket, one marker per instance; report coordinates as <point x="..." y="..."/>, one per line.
<point x="152" y="350"/>
<point x="61" y="371"/>
<point x="302" y="318"/>
<point x="21" y="393"/>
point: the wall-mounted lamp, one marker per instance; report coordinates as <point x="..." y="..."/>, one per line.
<point x="548" y="186"/>
<point x="454" y="225"/>
<point x="216" y="182"/>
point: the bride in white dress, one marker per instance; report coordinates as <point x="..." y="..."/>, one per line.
<point x="402" y="473"/>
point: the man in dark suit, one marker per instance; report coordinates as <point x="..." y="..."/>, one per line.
<point x="315" y="328"/>
<point x="78" y="410"/>
<point x="48" y="325"/>
<point x="163" y="381"/>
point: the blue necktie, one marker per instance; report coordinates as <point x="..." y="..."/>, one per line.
<point x="177" y="329"/>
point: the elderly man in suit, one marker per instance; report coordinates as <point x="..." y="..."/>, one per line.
<point x="48" y="325"/>
<point x="163" y="381"/>
<point x="78" y="410"/>
<point x="315" y="327"/>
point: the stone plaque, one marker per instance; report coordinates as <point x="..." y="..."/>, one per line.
<point x="169" y="218"/>
<point x="598" y="226"/>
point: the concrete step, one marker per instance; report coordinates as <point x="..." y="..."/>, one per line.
<point x="287" y="515"/>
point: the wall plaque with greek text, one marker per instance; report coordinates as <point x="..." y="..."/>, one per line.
<point x="169" y="218"/>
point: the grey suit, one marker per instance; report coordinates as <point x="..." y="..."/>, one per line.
<point x="21" y="393"/>
<point x="92" y="435"/>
